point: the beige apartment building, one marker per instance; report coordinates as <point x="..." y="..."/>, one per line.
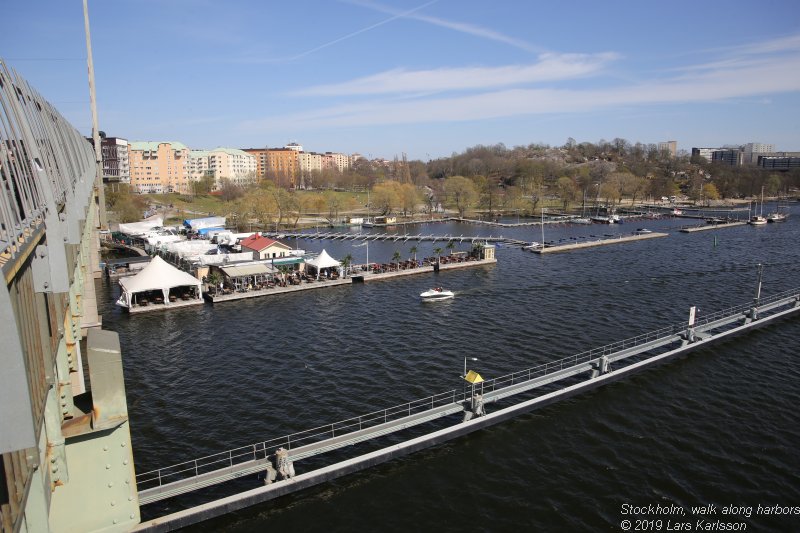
<point x="333" y="160"/>
<point x="278" y="164"/>
<point x="159" y="167"/>
<point x="223" y="163"/>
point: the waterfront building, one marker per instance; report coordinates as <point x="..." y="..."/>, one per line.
<point x="159" y="167"/>
<point x="264" y="248"/>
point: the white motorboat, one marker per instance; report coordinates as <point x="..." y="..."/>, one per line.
<point x="436" y="294"/>
<point x="643" y="231"/>
<point x="777" y="217"/>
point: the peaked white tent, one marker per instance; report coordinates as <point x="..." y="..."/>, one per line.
<point x="323" y="260"/>
<point x="158" y="275"/>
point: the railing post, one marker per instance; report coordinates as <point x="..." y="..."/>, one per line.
<point x="195" y="468"/>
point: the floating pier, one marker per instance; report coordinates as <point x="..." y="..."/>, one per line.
<point x="591" y="244"/>
<point x="708" y="227"/>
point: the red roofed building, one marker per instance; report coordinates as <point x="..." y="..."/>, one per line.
<point x="264" y="248"/>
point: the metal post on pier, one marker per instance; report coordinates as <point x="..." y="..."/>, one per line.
<point x="753" y="315"/>
<point x="688" y="336"/>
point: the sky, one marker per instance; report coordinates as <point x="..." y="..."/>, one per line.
<point x="422" y="77"/>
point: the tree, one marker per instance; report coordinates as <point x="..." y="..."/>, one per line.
<point x="413" y="251"/>
<point x="409" y="198"/>
<point x="710" y="193"/>
<point x="438" y="252"/>
<point x="386" y="197"/>
<point x="396" y="258"/>
<point x="229" y="191"/>
<point x="567" y="190"/>
<point x="451" y="244"/>
<point x="460" y="193"/>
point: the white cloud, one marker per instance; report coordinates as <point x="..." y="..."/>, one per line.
<point x="551" y="67"/>
<point x="755" y="77"/>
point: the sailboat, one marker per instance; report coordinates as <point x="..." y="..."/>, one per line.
<point x="759" y="219"/>
<point x="368" y="223"/>
<point x="778" y="215"/>
<point x="583" y="219"/>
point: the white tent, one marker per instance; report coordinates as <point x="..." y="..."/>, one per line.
<point x="323" y="260"/>
<point x="138" y="228"/>
<point x="158" y="275"/>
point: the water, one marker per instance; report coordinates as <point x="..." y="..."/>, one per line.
<point x="719" y="426"/>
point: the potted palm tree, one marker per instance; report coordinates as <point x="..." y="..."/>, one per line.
<point x="413" y="251"/>
<point x="396" y="258"/>
<point x="346" y="260"/>
<point x="214" y="280"/>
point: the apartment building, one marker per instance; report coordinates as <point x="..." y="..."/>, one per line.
<point x="116" y="160"/>
<point x="279" y="164"/>
<point x="158" y="167"/>
<point x="237" y="166"/>
<point x="333" y="160"/>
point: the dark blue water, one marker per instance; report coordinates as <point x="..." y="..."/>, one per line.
<point x="719" y="426"/>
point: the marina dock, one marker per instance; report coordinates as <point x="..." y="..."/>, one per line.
<point x="592" y="244"/>
<point x="707" y="227"/>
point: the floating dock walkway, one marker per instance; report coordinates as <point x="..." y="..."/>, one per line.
<point x="708" y="227"/>
<point x="591" y="244"/>
<point x="454" y="413"/>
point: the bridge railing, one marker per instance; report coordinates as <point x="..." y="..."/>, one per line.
<point x="44" y="161"/>
<point x="264" y="449"/>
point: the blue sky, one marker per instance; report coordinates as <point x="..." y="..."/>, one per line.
<point x="427" y="78"/>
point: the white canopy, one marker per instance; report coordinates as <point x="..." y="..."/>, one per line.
<point x="158" y="275"/>
<point x="323" y="260"/>
<point x="137" y="228"/>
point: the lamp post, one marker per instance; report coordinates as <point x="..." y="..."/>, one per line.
<point x="465" y="365"/>
<point x="365" y="243"/>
